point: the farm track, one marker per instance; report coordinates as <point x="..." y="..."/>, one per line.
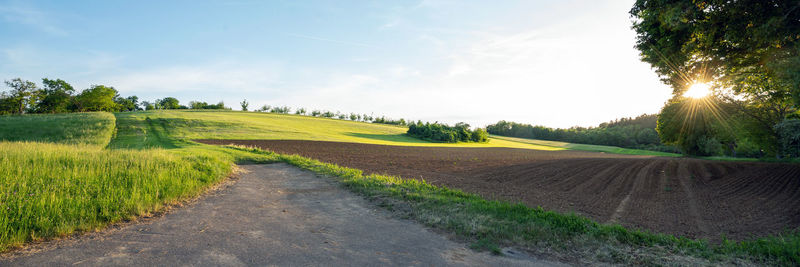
<point x="689" y="197"/>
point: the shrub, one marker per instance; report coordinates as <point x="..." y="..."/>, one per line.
<point x="440" y="132"/>
<point x="789" y="137"/>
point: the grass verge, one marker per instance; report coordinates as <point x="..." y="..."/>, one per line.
<point x="491" y="224"/>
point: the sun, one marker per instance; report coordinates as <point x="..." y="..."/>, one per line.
<point x="698" y="90"/>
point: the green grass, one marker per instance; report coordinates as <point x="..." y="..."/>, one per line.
<point x="585" y="147"/>
<point x="75" y="128"/>
<point x="148" y="129"/>
<point x="49" y="190"/>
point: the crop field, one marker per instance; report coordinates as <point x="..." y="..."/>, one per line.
<point x="689" y="197"/>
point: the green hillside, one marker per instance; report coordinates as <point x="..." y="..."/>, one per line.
<point x="74" y="128"/>
<point x="165" y="128"/>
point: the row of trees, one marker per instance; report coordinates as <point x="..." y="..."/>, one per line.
<point x="714" y="126"/>
<point x="173" y="103"/>
<point x="58" y="96"/>
<point x="639" y="133"/>
<point x="440" y="132"/>
<point x="327" y="114"/>
<point x="748" y="50"/>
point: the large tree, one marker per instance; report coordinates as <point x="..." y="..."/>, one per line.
<point x="130" y="103"/>
<point x="21" y="96"/>
<point x="55" y="96"/>
<point x="168" y="103"/>
<point x="749" y="50"/>
<point x="97" y="98"/>
<point x="720" y="39"/>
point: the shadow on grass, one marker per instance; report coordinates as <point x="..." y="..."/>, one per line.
<point x="400" y="138"/>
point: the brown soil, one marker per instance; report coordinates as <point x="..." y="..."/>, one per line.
<point x="689" y="197"/>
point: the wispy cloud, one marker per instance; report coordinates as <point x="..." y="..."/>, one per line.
<point x="329" y="40"/>
<point x="31" y="17"/>
<point x="217" y="79"/>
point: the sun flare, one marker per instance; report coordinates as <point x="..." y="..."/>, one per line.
<point x="698" y="90"/>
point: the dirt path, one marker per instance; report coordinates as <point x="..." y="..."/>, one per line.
<point x="274" y="215"/>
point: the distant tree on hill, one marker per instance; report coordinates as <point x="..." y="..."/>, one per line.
<point x="281" y="110"/>
<point x="55" y="96"/>
<point x="244" y="105"/>
<point x="444" y="133"/>
<point x="148" y="106"/>
<point x="97" y="98"/>
<point x="168" y="103"/>
<point x="639" y="132"/>
<point x="21" y="96"/>
<point x="130" y="103"/>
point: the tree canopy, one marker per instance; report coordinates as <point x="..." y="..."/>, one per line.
<point x="747" y="49"/>
<point x="728" y="41"/>
<point x="97" y="98"/>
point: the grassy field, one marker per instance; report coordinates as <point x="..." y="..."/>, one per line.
<point x="66" y="181"/>
<point x="585" y="147"/>
<point x="75" y="128"/>
<point x="54" y="183"/>
<point x="145" y="129"/>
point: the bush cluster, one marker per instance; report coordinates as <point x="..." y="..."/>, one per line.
<point x="204" y="105"/>
<point x="440" y="132"/>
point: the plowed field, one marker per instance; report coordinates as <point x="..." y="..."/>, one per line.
<point x="689" y="197"/>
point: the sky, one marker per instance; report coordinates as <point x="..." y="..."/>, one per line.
<point x="552" y="63"/>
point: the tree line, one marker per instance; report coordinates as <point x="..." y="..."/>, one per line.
<point x="638" y="133"/>
<point x="58" y="96"/>
<point x="328" y="114"/>
<point x="440" y="132"/>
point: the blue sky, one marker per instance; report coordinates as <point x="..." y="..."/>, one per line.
<point x="554" y="63"/>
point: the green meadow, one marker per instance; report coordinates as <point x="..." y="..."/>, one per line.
<point x="73" y="128"/>
<point x="71" y="173"/>
<point x="153" y="128"/>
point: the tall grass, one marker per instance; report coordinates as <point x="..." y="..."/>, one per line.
<point x="49" y="190"/>
<point x="65" y="182"/>
<point x="94" y="128"/>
